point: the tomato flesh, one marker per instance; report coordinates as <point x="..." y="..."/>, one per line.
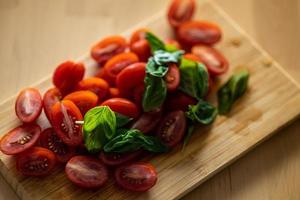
<point x="172" y="78"/>
<point x="147" y="122"/>
<point x="114" y="159"/>
<point x="180" y="11"/>
<point x="122" y="106"/>
<point x="28" y="105"/>
<point x="20" y="139"/>
<point x="52" y="96"/>
<point x="179" y="101"/>
<point x="97" y="85"/>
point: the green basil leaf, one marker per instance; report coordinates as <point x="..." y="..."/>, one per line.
<point x="122" y="120"/>
<point x="152" y="144"/>
<point x="233" y="89"/>
<point x="156" y="70"/>
<point x="170" y="48"/>
<point x="154" y="42"/>
<point x="94" y="141"/>
<point x="163" y="57"/>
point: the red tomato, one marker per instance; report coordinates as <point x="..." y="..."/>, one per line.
<point x="36" y="161"/>
<point x="192" y="57"/>
<point x="174" y="43"/>
<point x="179" y="101"/>
<point x="131" y="77"/>
<point x="107" y="48"/>
<point x="180" y="11"/>
<point x="122" y="106"/>
<point x="172" y="77"/>
<point x="139" y="45"/>
<point x="172" y="128"/>
<point x="64" y="115"/>
<point x="86" y="172"/>
<point x="198" y="32"/>
<point x="138" y="94"/>
<point x="51" y="141"/>
<point x="148" y="121"/>
<point x="138" y="35"/>
<point x="52" y="96"/>
<point x="28" y="105"/>
<point x="84" y="100"/>
<point x="214" y="60"/>
<point x="19" y="139"/>
<point x="138" y="177"/>
<point x="67" y="75"/>
<point x="97" y="85"/>
<point x="114" y="159"/>
<point x="114" y="92"/>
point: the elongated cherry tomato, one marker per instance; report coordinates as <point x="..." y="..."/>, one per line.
<point x="122" y="106"/>
<point x="83" y="99"/>
<point x="138" y="177"/>
<point x="138" y="93"/>
<point x="36" y="161"/>
<point x="52" y="96"/>
<point x="51" y="141"/>
<point x="97" y="85"/>
<point x="192" y="57"/>
<point x="198" y="32"/>
<point x="174" y="43"/>
<point x="114" y="93"/>
<point x="131" y="77"/>
<point x="139" y="45"/>
<point x="114" y="159"/>
<point x="214" y="60"/>
<point x="107" y="48"/>
<point x="179" y="101"/>
<point x="180" y="11"/>
<point x="86" y="172"/>
<point x="20" y="139"/>
<point x="67" y="75"/>
<point x="148" y="121"/>
<point x="28" y="105"/>
<point x="172" y="128"/>
<point x="64" y="114"/>
<point x="172" y="77"/>
<point x="138" y="35"/>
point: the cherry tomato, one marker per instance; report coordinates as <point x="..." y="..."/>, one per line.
<point x="214" y="60"/>
<point x="36" y="161"/>
<point x="172" y="128"/>
<point x="137" y="35"/>
<point x="19" y="139"/>
<point x="148" y="121"/>
<point x="138" y="93"/>
<point x="67" y="75"/>
<point x="131" y="77"/>
<point x="97" y="85"/>
<point x="86" y="172"/>
<point x="52" y="96"/>
<point x="198" y="32"/>
<point x="83" y="99"/>
<point x="114" y="159"/>
<point x="122" y="106"/>
<point x="138" y="177"/>
<point x="51" y="141"/>
<point x="179" y="101"/>
<point x="174" y="43"/>
<point x="64" y="114"/>
<point x="192" y="57"/>
<point x="180" y="11"/>
<point x="114" y="92"/>
<point x="107" y="48"/>
<point x="139" y="45"/>
<point x="28" y="105"/>
<point x="172" y="78"/>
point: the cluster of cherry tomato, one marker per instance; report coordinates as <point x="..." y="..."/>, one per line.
<point x="119" y="84"/>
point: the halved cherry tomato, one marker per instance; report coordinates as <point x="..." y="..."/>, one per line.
<point x="172" y="77"/>
<point x="172" y="128"/>
<point x="198" y="32"/>
<point x="180" y="11"/>
<point x="122" y="106"/>
<point x="19" y="139"/>
<point x="52" y="96"/>
<point x="107" y="48"/>
<point x="138" y="93"/>
<point x="36" y="161"/>
<point x="174" y="43"/>
<point x="148" y="121"/>
<point x="28" y="105"/>
<point x="114" y="93"/>
<point x="67" y="75"/>
<point x="131" y="77"/>
<point x="214" y="60"/>
<point x="179" y="101"/>
<point x="138" y="177"/>
<point x="64" y="114"/>
<point x="114" y="159"/>
<point x="83" y="99"/>
<point x="97" y="85"/>
<point x="139" y="45"/>
<point x="192" y="57"/>
<point x="51" y="141"/>
<point x="86" y="172"/>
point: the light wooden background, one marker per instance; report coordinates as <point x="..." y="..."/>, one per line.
<point x="36" y="35"/>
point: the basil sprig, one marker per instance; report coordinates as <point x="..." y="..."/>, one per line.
<point x="154" y="42"/>
<point x="233" y="89"/>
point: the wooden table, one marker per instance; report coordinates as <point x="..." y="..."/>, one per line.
<point x="37" y="35"/>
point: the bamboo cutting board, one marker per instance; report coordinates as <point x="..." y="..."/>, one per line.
<point x="273" y="100"/>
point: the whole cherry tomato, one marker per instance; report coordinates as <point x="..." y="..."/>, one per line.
<point x="139" y="45"/>
<point x="180" y="11"/>
<point x="114" y="92"/>
<point x="192" y="57"/>
<point x="122" y="106"/>
<point x="138" y="93"/>
<point x="97" y="85"/>
<point x="179" y="101"/>
<point x="52" y="96"/>
<point x="148" y="121"/>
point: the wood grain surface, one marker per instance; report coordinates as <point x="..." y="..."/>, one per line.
<point x="252" y="177"/>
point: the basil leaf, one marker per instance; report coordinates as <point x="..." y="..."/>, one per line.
<point x="156" y="70"/>
<point x="152" y="144"/>
<point x="170" y="48"/>
<point x="122" y="120"/>
<point x="95" y="141"/>
<point x="154" y="42"/>
<point x="233" y="89"/>
<point x="193" y="78"/>
<point x="163" y="57"/>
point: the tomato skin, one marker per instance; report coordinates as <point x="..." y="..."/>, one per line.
<point x="50" y="97"/>
<point x="97" y="85"/>
<point x="147" y="122"/>
<point x="172" y="77"/>
<point x="213" y="59"/>
<point x="114" y="93"/>
<point x="122" y="106"/>
<point x="84" y="100"/>
<point x="20" y="139"/>
<point x="192" y="57"/>
<point x="179" y="101"/>
<point x="28" y="105"/>
<point x="107" y="48"/>
<point x="86" y="172"/>
<point x="180" y="11"/>
<point x="173" y="42"/>
<point x="63" y="115"/>
<point x="142" y="49"/>
<point x="138" y="93"/>
<point x="198" y="32"/>
<point x="137" y="35"/>
<point x="138" y="177"/>
<point x="115" y="159"/>
<point x="36" y="161"/>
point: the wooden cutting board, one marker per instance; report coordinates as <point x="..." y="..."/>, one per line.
<point x="272" y="101"/>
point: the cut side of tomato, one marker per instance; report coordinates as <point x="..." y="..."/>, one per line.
<point x="122" y="106"/>
<point x="97" y="85"/>
<point x="179" y="101"/>
<point x="172" y="78"/>
<point x="180" y="11"/>
<point x="114" y="159"/>
<point x="147" y="122"/>
<point x="52" y="96"/>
